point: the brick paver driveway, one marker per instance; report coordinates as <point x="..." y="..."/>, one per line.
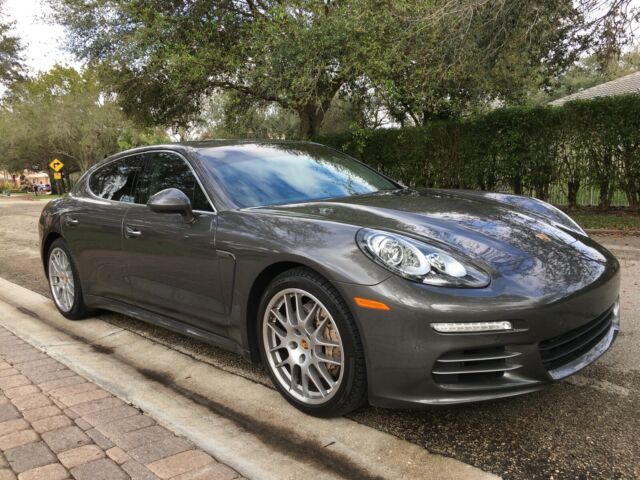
<point x="56" y="425"/>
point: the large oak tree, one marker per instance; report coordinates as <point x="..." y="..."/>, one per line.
<point x="426" y="59"/>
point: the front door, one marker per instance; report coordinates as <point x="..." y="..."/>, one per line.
<point x="172" y="267"/>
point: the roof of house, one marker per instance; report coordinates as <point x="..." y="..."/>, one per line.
<point x="619" y="86"/>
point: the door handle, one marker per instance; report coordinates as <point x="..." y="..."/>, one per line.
<point x="70" y="221"/>
<point x="132" y="232"/>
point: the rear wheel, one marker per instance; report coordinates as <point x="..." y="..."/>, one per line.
<point x="310" y="345"/>
<point x="64" y="282"/>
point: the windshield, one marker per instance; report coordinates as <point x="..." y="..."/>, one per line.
<point x="255" y="175"/>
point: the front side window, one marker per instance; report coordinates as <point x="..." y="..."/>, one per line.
<point x="167" y="170"/>
<point x="116" y="180"/>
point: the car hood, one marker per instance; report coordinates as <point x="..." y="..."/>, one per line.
<point x="487" y="230"/>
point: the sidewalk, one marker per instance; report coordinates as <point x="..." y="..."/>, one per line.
<point x="56" y="425"/>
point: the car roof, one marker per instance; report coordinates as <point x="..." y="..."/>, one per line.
<point x="211" y="144"/>
<point x="207" y="144"/>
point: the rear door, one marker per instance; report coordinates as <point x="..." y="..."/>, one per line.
<point x="172" y="267"/>
<point x="93" y="228"/>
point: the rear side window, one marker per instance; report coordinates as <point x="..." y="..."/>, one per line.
<point x="116" y="180"/>
<point x="167" y="170"/>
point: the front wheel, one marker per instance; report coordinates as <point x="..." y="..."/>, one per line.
<point x="64" y="282"/>
<point x="311" y="346"/>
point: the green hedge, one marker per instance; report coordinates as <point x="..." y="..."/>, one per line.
<point x="583" y="144"/>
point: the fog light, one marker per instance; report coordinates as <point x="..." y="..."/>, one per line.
<point x="616" y="311"/>
<point x="471" y="327"/>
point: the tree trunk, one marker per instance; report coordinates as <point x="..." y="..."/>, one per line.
<point x="542" y="192"/>
<point x="517" y="185"/>
<point x="572" y="192"/>
<point x="311" y="117"/>
<point x="634" y="199"/>
<point x="605" y="195"/>
<point x="67" y="179"/>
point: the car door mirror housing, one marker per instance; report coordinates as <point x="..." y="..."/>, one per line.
<point x="172" y="200"/>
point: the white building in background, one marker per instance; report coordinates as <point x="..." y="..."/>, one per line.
<point x="39" y="178"/>
<point x="27" y="177"/>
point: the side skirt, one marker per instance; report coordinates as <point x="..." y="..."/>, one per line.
<point x="166" y="322"/>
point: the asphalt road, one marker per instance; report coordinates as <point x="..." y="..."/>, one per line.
<point x="585" y="427"/>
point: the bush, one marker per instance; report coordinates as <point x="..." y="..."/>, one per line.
<point x="7" y="186"/>
<point x="587" y="143"/>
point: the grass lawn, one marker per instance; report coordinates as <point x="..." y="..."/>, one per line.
<point x="607" y="220"/>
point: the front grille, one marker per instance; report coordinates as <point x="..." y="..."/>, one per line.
<point x="560" y="350"/>
<point x="471" y="366"/>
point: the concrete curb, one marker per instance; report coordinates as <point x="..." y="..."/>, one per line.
<point x="242" y="424"/>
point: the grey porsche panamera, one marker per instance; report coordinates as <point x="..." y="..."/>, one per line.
<point x="348" y="286"/>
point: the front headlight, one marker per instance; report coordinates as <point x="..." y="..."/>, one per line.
<point x="417" y="261"/>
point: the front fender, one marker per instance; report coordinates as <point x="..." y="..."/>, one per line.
<point x="530" y="204"/>
<point x="265" y="244"/>
<point x="259" y="239"/>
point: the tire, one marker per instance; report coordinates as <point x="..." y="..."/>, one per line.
<point x="326" y="348"/>
<point x="76" y="308"/>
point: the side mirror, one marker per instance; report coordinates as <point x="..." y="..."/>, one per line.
<point x="172" y="200"/>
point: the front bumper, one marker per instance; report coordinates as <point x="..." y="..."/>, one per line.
<point x="555" y="334"/>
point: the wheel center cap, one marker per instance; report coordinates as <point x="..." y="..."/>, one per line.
<point x="304" y="344"/>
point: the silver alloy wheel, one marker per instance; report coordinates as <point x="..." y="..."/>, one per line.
<point x="303" y="346"/>
<point x="61" y="279"/>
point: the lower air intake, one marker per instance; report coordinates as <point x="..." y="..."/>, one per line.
<point x="471" y="366"/>
<point x="558" y="351"/>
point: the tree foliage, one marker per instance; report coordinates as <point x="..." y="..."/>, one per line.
<point x="423" y="59"/>
<point x="231" y="115"/>
<point x="10" y="51"/>
<point x="66" y="114"/>
<point x="588" y="72"/>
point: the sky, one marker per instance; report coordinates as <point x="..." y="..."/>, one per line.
<point x="42" y="40"/>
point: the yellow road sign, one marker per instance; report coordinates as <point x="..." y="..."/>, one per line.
<point x="57" y="176"/>
<point x="56" y="165"/>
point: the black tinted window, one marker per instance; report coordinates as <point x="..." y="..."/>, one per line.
<point x="167" y="170"/>
<point x="116" y="180"/>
